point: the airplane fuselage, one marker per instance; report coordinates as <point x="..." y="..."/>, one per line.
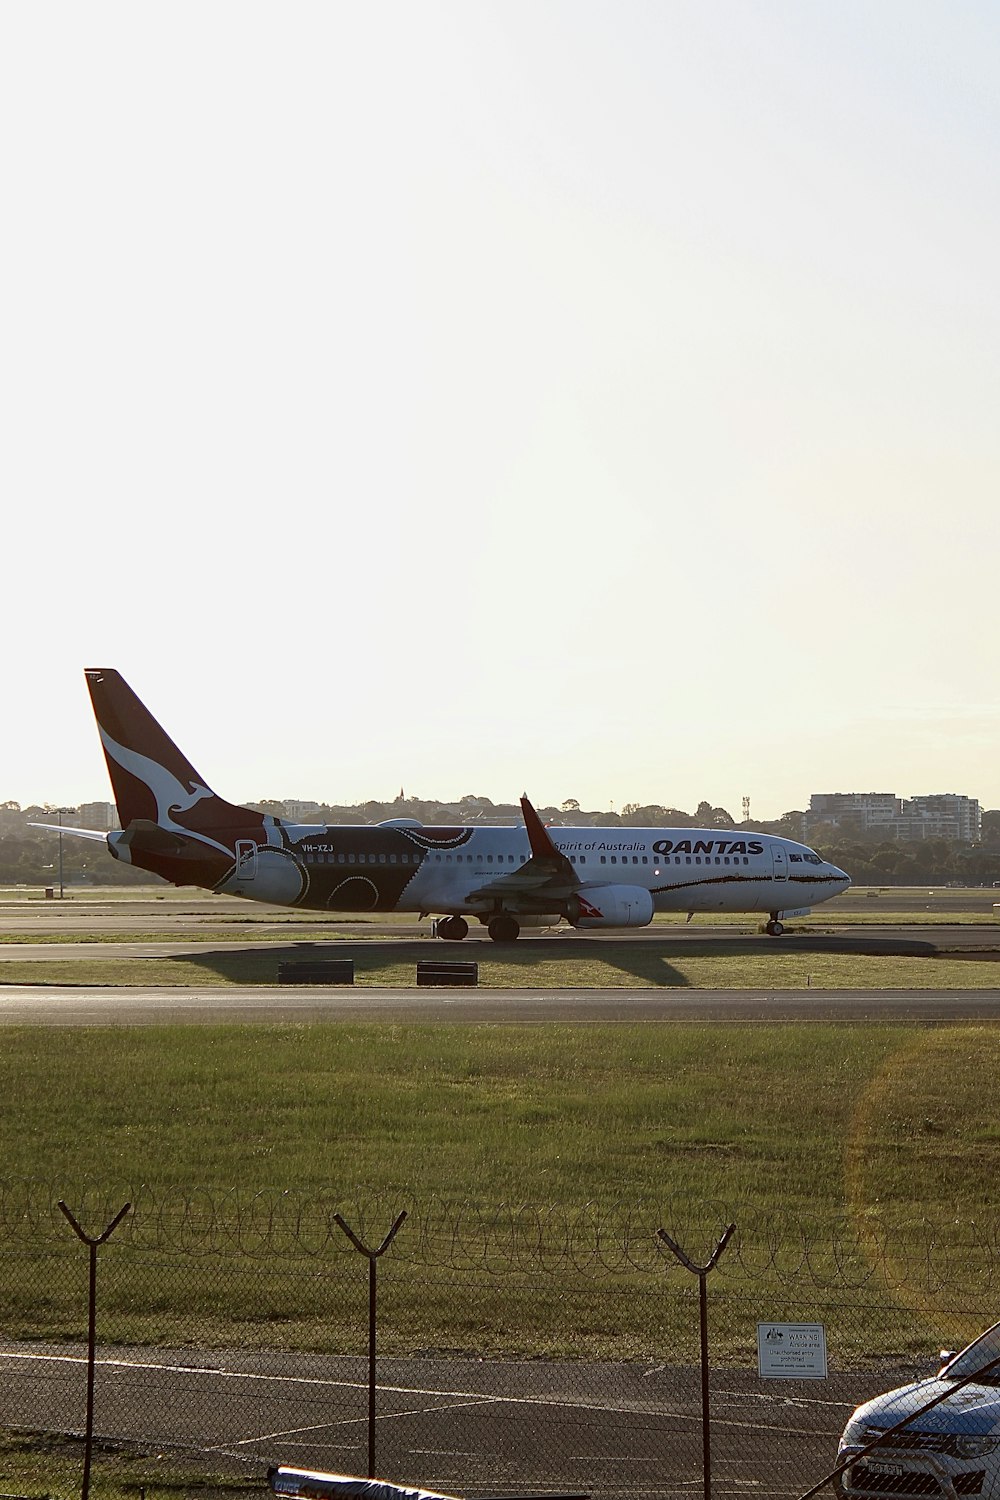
<point x="414" y="868"/>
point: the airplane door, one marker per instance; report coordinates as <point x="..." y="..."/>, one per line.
<point x="246" y="859"/>
<point x="780" y="862"/>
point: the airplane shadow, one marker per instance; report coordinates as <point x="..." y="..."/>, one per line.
<point x="651" y="961"/>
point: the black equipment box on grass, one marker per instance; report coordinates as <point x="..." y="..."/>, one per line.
<point x="439" y="971"/>
<point x="317" y="971"/>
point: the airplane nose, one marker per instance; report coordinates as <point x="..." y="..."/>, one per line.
<point x="840" y="878"/>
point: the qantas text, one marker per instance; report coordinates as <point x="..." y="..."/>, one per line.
<point x="673" y="846"/>
<point x="708" y="846"/>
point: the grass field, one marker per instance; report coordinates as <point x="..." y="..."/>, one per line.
<point x="771" y="1126"/>
<point x="829" y="1117"/>
<point x="45" y="1464"/>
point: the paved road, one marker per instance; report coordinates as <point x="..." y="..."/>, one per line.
<point x="146" y="916"/>
<point x="144" y="1005"/>
<point x="915" y="941"/>
<point x="232" y="919"/>
<point x="457" y="1424"/>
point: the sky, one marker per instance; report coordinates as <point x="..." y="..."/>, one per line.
<point x="598" y="400"/>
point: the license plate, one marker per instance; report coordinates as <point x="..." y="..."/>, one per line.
<point x="876" y="1466"/>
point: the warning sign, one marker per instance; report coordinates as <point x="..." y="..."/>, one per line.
<point x="791" y="1351"/>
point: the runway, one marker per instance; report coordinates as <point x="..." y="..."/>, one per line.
<point x="200" y="916"/>
<point x="462" y="1424"/>
<point x="141" y="1005"/>
<point x="918" y="942"/>
<point x="150" y="926"/>
<point x="211" y="930"/>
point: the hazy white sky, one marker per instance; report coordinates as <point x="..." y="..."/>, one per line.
<point x="597" y="399"/>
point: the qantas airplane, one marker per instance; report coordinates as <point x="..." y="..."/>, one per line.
<point x="175" y="826"/>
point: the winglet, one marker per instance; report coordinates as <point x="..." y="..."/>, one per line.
<point x="539" y="838"/>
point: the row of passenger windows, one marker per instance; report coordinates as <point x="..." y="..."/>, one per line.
<point x="324" y="857"/>
<point x="720" y="859"/>
<point x="614" y="859"/>
<point x="688" y="859"/>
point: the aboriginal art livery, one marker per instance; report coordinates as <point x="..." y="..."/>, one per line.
<point x="175" y="826"/>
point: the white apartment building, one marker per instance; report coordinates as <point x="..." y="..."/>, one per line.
<point x="298" y="811"/>
<point x="941" y="815"/>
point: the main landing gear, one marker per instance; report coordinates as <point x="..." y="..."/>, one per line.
<point x="503" y="928"/>
<point x="774" y="928"/>
<point x="453" y="929"/>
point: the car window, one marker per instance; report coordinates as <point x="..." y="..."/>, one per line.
<point x="985" y="1349"/>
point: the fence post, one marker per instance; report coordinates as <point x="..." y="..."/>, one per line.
<point x="702" y="1274"/>
<point x="92" y="1244"/>
<point x="373" y="1257"/>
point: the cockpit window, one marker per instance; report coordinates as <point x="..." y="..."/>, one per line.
<point x="812" y="859"/>
<point x="796" y="859"/>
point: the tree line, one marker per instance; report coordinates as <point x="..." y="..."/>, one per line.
<point x="30" y="856"/>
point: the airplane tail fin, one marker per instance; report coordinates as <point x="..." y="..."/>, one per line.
<point x="153" y="780"/>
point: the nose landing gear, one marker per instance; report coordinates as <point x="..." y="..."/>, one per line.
<point x="774" y="928"/>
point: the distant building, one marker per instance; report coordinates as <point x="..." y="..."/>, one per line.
<point x="103" y="815"/>
<point x="854" y="812"/>
<point x="297" y="811"/>
<point x="942" y="815"/>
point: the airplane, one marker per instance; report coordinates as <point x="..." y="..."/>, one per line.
<point x="506" y="878"/>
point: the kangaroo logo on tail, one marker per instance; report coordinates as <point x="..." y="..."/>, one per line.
<point x="171" y="797"/>
<point x="153" y="780"/>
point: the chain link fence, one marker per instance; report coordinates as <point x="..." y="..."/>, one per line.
<point x="519" y="1349"/>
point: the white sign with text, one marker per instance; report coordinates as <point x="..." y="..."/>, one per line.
<point x="791" y="1351"/>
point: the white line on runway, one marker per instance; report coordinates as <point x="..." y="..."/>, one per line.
<point x="386" y="1416"/>
<point x="456" y="1397"/>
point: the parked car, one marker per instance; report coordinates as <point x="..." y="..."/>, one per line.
<point x="950" y="1451"/>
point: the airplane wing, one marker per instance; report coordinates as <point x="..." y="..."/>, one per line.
<point x="546" y="877"/>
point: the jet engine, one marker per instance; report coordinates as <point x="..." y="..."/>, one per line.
<point x="611" y="906"/>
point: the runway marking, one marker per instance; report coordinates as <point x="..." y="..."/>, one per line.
<point x="455" y="1398"/>
<point x="386" y="1416"/>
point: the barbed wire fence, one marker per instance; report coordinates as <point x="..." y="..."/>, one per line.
<point x="520" y="1347"/>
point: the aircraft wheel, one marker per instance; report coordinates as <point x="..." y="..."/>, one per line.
<point x="503" y="929"/>
<point x="774" y="927"/>
<point x="452" y="929"/>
